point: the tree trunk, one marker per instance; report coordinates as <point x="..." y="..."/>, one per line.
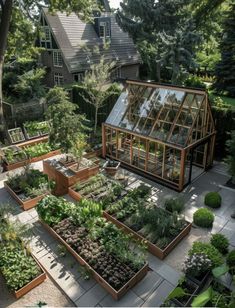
<point x="6" y="7"/>
<point x="158" y="68"/>
<point x="96" y="120"/>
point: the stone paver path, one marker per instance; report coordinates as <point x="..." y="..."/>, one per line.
<point x="162" y="276"/>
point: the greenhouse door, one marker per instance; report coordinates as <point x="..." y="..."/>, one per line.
<point x="198" y="160"/>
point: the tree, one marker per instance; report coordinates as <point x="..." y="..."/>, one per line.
<point x="79" y="147"/>
<point x="82" y="7"/>
<point x="230" y="160"/>
<point x="225" y="69"/>
<point x="156" y="27"/>
<point x="66" y="126"/>
<point x="95" y="83"/>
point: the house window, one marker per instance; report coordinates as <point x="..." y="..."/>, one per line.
<point x="105" y="29"/>
<point x="78" y="77"/>
<point x="116" y="73"/>
<point x="45" y="39"/>
<point x="58" y="79"/>
<point x="57" y="59"/>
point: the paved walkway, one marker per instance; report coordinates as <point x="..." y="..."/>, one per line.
<point x="162" y="276"/>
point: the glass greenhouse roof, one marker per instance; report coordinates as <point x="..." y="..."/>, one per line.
<point x="169" y="115"/>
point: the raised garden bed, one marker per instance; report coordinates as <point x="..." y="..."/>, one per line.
<point x="93" y="242"/>
<point x="28" y="191"/>
<point x="66" y="177"/>
<point x="21" y="271"/>
<point x="32" y="151"/>
<point x="99" y="189"/>
<point x="35" y="129"/>
<point x="161" y="229"/>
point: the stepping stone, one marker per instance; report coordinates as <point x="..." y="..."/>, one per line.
<point x="159" y="295"/>
<point x="130" y="299"/>
<point x="91" y="298"/>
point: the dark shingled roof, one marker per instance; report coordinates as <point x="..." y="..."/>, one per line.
<point x="82" y="47"/>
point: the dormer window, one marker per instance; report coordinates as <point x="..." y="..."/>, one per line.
<point x="105" y="29"/>
<point x="45" y="39"/>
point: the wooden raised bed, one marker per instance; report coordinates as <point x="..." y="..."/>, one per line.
<point x="22" y="163"/>
<point x="34" y="283"/>
<point x="63" y="182"/>
<point x="115" y="294"/>
<point x="27" y="204"/>
<point x="153" y="249"/>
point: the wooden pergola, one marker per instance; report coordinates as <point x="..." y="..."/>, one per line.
<point x="162" y="131"/>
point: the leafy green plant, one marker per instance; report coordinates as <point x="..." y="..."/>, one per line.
<point x="220" y="242"/>
<point x="209" y="250"/>
<point x="52" y="209"/>
<point x="213" y="199"/>
<point x="203" y="218"/>
<point x="38" y="149"/>
<point x="174" y="205"/>
<point x="230" y="260"/>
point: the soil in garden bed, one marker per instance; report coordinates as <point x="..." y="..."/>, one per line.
<point x="106" y="265"/>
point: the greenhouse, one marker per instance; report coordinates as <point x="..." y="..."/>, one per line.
<point x="164" y="132"/>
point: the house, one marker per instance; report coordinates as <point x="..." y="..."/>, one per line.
<point x="72" y="46"/>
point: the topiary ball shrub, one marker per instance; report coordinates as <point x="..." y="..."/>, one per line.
<point x="231" y="261"/>
<point x="174" y="205"/>
<point x="220" y="242"/>
<point x="209" y="250"/>
<point x="203" y="218"/>
<point x="213" y="199"/>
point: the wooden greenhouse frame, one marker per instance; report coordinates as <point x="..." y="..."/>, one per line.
<point x="161" y="131"/>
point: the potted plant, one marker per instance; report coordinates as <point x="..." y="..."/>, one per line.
<point x="197" y="268"/>
<point x="184" y="293"/>
<point x="111" y="167"/>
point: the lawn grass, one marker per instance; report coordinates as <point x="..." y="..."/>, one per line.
<point x="227" y="100"/>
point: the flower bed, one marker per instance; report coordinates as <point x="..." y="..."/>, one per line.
<point x="162" y="230"/>
<point x="115" y="260"/>
<point x="99" y="189"/>
<point x="21" y="271"/>
<point x="28" y="188"/>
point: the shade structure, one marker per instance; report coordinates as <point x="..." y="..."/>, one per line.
<point x="161" y="130"/>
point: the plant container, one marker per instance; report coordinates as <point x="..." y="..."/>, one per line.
<point x="100" y="280"/>
<point x="200" y="281"/>
<point x="27" y="204"/>
<point x="153" y="249"/>
<point x="191" y="288"/>
<point x="111" y="167"/>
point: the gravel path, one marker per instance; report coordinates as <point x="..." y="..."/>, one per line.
<point x="47" y="292"/>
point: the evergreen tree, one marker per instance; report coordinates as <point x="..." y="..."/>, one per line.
<point x="225" y="69"/>
<point x="164" y="35"/>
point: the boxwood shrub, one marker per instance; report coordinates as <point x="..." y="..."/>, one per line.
<point x="213" y="199"/>
<point x="212" y="253"/>
<point x="220" y="242"/>
<point x="203" y="218"/>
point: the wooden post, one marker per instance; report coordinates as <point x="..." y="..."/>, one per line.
<point x="182" y="169"/>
